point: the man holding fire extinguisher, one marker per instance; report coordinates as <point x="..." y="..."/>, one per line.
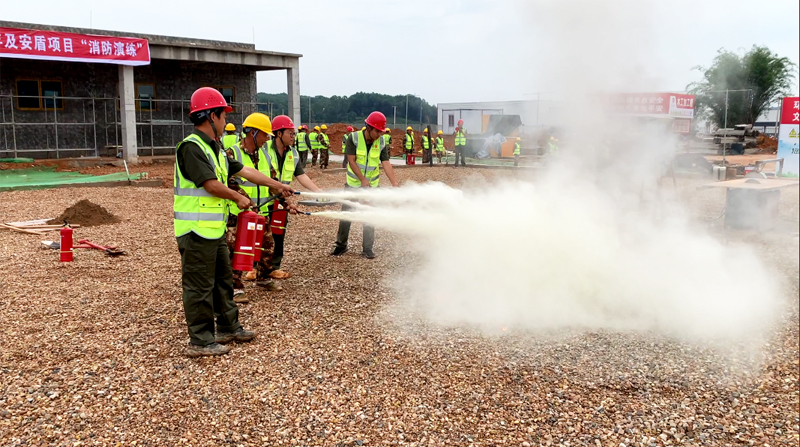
<point x="366" y="152"/>
<point x="246" y="152"/>
<point x="201" y="202"/>
<point x="283" y="163"/>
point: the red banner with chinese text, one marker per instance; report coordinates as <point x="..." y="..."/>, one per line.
<point x="675" y="105"/>
<point x="71" y="47"/>
<point x="790" y="111"/>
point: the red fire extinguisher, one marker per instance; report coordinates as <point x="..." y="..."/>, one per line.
<point x="245" y="240"/>
<point x="261" y="224"/>
<point x="279" y="216"/>
<point x="66" y="243"/>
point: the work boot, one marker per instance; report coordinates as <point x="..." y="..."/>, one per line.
<point x="239" y="297"/>
<point x="270" y="285"/>
<point x="240" y="335"/>
<point x="369" y="254"/>
<point x="208" y="350"/>
<point x="338" y="251"/>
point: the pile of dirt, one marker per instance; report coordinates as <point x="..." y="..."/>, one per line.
<point x="336" y="131"/>
<point x="766" y="145"/>
<point x="85" y="214"/>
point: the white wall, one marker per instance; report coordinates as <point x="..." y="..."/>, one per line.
<point x="534" y="114"/>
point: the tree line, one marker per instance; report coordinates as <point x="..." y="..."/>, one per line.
<point x="353" y="108"/>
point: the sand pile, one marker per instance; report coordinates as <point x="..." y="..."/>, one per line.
<point x="86" y="214"/>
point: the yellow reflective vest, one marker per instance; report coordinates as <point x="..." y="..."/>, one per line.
<point x="195" y="209"/>
<point x="367" y="159"/>
<point x="258" y="194"/>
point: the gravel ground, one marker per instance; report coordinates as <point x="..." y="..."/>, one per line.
<point x="92" y="350"/>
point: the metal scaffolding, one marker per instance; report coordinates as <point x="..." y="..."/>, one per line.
<point x="68" y="127"/>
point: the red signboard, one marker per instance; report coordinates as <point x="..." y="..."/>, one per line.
<point x="790" y="111"/>
<point x="57" y="46"/>
<point x="676" y="105"/>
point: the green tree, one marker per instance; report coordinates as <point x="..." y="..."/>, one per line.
<point x="760" y="78"/>
<point x="353" y="108"/>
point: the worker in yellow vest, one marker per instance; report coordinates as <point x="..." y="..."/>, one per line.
<point x="366" y="153"/>
<point x="408" y="142"/>
<point x="284" y="166"/>
<point x="315" y="146"/>
<point x="200" y="207"/>
<point x="325" y="147"/>
<point x="460" y="143"/>
<point x="350" y="129"/>
<point x="439" y="145"/>
<point x="517" y="151"/>
<point x="256" y="127"/>
<point x="387" y="135"/>
<point x="303" y="144"/>
<point x="552" y="146"/>
<point x="230" y="138"/>
<point x="425" y="146"/>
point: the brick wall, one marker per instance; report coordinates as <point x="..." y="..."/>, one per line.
<point x="173" y="80"/>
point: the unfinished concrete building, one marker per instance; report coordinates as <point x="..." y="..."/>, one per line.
<point x="66" y="107"/>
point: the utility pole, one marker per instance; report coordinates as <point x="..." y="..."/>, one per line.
<point x="394" y="120"/>
<point x="309" y="110"/>
<point x="420" y="113"/>
<point x="406" y="110"/>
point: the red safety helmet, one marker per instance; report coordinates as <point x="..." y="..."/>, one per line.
<point x="376" y="120"/>
<point x="460" y="122"/>
<point x="281" y="122"/>
<point x="207" y="98"/>
<point x="350" y="128"/>
<point x="305" y="127"/>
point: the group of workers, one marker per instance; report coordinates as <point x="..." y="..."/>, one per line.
<point x="219" y="173"/>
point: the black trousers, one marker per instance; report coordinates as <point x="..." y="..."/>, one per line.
<point x="207" y="281"/>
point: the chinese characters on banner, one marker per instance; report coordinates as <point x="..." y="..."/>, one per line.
<point x="58" y="46"/>
<point x="673" y="104"/>
<point x="658" y="105"/>
<point x="787" y="136"/>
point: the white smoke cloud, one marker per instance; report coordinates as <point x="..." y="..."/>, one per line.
<point x="545" y="257"/>
<point x="594" y="242"/>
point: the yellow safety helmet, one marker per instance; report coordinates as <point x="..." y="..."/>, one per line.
<point x="300" y="127"/>
<point x="258" y="121"/>
<point x="426" y="130"/>
<point x="552" y="138"/>
<point x="388" y="130"/>
<point x="439" y="132"/>
<point x="519" y="139"/>
<point x="324" y="127"/>
<point x="316" y="128"/>
<point x="364" y="128"/>
<point x="230" y="127"/>
<point x="409" y="128"/>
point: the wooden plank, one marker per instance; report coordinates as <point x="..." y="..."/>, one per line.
<point x="20" y="230"/>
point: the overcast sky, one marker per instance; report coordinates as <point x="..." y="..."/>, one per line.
<point x="446" y="50"/>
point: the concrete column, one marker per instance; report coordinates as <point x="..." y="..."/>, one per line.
<point x="293" y="88"/>
<point x="127" y="114"/>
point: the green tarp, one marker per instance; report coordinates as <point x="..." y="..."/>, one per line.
<point x="47" y="177"/>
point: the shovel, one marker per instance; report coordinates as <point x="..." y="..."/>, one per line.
<point x="110" y="251"/>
